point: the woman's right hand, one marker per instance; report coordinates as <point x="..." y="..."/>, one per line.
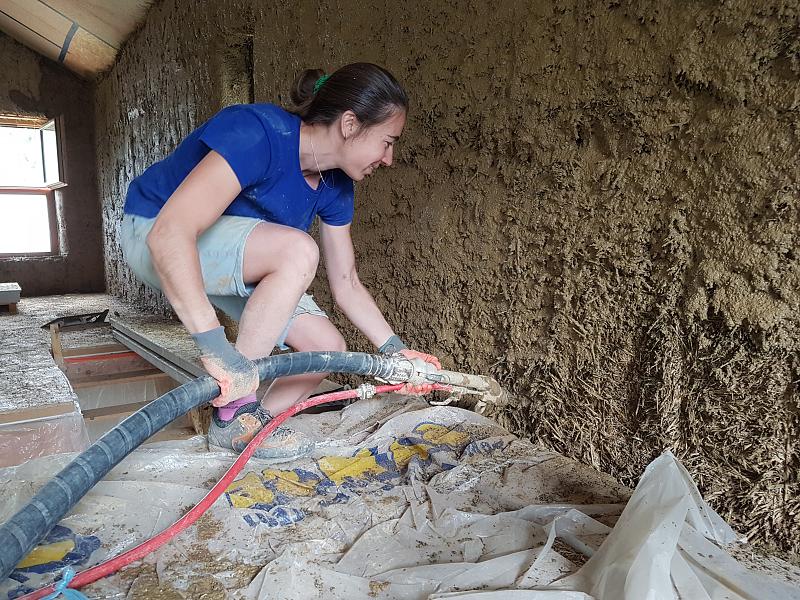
<point x="236" y="375"/>
<point x="423" y="388"/>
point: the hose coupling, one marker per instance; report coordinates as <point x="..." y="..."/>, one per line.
<point x="366" y="390"/>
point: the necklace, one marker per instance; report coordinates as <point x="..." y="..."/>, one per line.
<point x="316" y="162"/>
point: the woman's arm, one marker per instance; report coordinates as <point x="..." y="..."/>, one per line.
<point x="348" y="292"/>
<point x="354" y="299"/>
<point x="197" y="203"/>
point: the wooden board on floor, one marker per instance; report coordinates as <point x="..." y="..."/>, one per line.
<point x="166" y="338"/>
<point x="99" y="349"/>
<point x="154" y="358"/>
<point x="167" y="345"/>
<point x="119" y="378"/>
<point x="98" y="366"/>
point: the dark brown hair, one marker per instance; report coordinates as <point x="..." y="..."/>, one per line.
<point x="370" y="91"/>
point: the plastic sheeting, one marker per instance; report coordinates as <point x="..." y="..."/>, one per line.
<point x="106" y="396"/>
<point x="23" y="440"/>
<point x="400" y="501"/>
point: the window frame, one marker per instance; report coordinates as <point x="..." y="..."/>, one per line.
<point x="58" y="125"/>
<point x="30" y="122"/>
<point x="50" y="196"/>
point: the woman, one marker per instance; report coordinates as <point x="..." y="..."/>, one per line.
<point x="223" y="221"/>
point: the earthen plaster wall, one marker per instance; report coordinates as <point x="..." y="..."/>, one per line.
<point x="596" y="203"/>
<point x="33" y="85"/>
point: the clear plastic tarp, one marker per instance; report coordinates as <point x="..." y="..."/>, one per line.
<point x="23" y="440"/>
<point x="401" y="501"/>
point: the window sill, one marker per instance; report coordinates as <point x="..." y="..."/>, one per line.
<point x="31" y="257"/>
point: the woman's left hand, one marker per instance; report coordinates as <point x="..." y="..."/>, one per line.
<point x="425" y="388"/>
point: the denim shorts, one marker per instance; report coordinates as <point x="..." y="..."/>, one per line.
<point x="221" y="251"/>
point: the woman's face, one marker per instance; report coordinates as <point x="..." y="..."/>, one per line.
<point x="367" y="150"/>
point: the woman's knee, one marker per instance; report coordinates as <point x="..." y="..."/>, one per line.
<point x="310" y="333"/>
<point x="299" y="254"/>
<point x="302" y="254"/>
<point x="328" y="340"/>
<point x="275" y="248"/>
<point x="336" y="343"/>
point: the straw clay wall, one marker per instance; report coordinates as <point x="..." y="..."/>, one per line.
<point x="597" y="203"/>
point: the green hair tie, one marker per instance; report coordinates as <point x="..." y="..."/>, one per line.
<point x="320" y="82"/>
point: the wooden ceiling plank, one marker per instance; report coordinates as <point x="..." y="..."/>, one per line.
<point x="88" y="55"/>
<point x="30" y="38"/>
<point x="112" y="22"/>
<point x="39" y="17"/>
<point x="78" y="11"/>
<point x="84" y="35"/>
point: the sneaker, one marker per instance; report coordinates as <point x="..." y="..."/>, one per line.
<point x="281" y="445"/>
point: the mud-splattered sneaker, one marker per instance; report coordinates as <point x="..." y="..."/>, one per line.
<point x="283" y="444"/>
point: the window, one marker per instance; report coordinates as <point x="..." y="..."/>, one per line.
<point x="30" y="171"/>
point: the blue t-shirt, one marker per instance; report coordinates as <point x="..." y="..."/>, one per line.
<point x="261" y="143"/>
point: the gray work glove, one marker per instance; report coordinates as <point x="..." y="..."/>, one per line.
<point x="391" y="346"/>
<point x="236" y="375"/>
<point x="394" y="345"/>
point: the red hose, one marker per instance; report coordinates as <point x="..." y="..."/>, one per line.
<point x="112" y="565"/>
